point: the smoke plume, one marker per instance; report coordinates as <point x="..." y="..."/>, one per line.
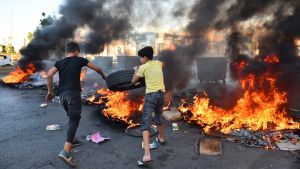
<point x="105" y="21"/>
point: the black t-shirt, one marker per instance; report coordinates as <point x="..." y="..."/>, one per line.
<point x="69" y="70"/>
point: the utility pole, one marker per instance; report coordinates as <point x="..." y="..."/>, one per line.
<point x="10" y="38"/>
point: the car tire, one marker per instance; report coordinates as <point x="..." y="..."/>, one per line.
<point x="121" y="81"/>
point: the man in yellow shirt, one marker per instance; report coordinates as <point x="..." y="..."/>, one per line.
<point x="151" y="70"/>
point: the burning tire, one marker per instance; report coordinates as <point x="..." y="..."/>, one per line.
<point x="121" y="80"/>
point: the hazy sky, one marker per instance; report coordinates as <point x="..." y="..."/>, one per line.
<point x="18" y="17"/>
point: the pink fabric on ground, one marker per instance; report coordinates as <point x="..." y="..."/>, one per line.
<point x="97" y="138"/>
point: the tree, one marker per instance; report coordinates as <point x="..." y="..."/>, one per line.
<point x="29" y="36"/>
<point x="10" y="49"/>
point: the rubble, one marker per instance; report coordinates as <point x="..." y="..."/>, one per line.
<point x="263" y="139"/>
<point x="287" y="145"/>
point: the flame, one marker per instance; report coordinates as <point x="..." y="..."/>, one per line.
<point x="271" y="59"/>
<point x="260" y="107"/>
<point x="19" y="75"/>
<point x="118" y="106"/>
<point x="297" y="42"/>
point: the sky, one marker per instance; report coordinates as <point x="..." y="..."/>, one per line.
<point x="18" y="17"/>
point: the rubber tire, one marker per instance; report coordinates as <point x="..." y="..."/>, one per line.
<point x="121" y="81"/>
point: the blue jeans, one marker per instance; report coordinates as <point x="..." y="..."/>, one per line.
<point x="153" y="105"/>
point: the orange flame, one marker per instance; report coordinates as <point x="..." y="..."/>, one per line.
<point x="260" y="108"/>
<point x="19" y="75"/>
<point x="118" y="106"/>
<point x="271" y="59"/>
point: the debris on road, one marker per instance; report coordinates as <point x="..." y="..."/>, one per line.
<point x="262" y="139"/>
<point x="96" y="138"/>
<point x="43" y="105"/>
<point x="208" y="147"/>
<point x="53" y="127"/>
<point x="175" y="126"/>
<point x="286" y="145"/>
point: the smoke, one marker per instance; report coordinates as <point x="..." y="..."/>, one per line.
<point x="273" y="24"/>
<point x="276" y="28"/>
<point x="279" y="34"/>
<point x="105" y="21"/>
<point x="178" y="70"/>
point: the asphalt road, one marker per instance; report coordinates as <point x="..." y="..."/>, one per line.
<point x="25" y="144"/>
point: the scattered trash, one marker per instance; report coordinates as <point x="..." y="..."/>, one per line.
<point x="261" y="139"/>
<point x="96" y="138"/>
<point x="53" y="127"/>
<point x="286" y="145"/>
<point x="43" y="105"/>
<point x="232" y="140"/>
<point x="208" y="147"/>
<point x="175" y="126"/>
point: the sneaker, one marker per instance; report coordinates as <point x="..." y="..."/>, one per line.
<point x="67" y="158"/>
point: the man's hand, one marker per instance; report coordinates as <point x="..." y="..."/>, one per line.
<point x="49" y="97"/>
<point x="136" y="68"/>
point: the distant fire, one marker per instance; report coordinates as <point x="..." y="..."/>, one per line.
<point x="271" y="59"/>
<point x="260" y="108"/>
<point x="118" y="106"/>
<point x="19" y="75"/>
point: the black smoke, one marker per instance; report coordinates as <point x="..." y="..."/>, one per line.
<point x="105" y="20"/>
<point x="281" y="27"/>
<point x="178" y="70"/>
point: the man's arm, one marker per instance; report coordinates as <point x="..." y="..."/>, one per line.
<point x="135" y="77"/>
<point x="96" y="68"/>
<point x="50" y="75"/>
<point x="163" y="64"/>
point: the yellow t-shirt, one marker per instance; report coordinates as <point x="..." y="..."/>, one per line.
<point x="153" y="74"/>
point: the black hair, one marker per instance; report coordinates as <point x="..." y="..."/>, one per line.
<point x="146" y="51"/>
<point x="71" y="46"/>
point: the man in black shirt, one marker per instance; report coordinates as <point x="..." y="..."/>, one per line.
<point x="69" y="70"/>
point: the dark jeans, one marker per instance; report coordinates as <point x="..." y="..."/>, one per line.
<point x="71" y="101"/>
<point x="153" y="106"/>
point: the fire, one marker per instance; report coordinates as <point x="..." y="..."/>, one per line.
<point x="271" y="59"/>
<point x="260" y="108"/>
<point x="19" y="75"/>
<point x="118" y="106"/>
